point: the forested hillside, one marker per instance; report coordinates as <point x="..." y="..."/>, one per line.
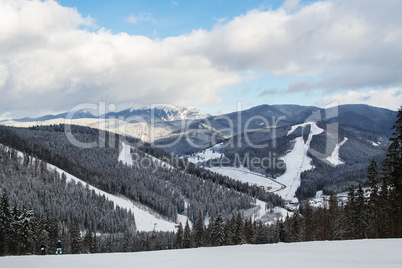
<point x="164" y="190"/>
<point x="356" y="153"/>
<point x="38" y="205"/>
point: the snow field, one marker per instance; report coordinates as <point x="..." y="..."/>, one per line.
<point x="376" y="253"/>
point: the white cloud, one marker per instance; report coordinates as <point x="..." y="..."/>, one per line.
<point x="5" y="116"/>
<point x="48" y="59"/>
<point x="292" y="5"/>
<point x="389" y="98"/>
<point x="144" y="16"/>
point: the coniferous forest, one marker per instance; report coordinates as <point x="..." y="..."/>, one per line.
<point x="38" y="206"/>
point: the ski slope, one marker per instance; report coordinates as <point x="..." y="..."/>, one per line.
<point x="144" y="219"/>
<point x="384" y="253"/>
<point x="126" y="158"/>
<point x="334" y="158"/>
<point x="247" y="176"/>
<point x="297" y="161"/>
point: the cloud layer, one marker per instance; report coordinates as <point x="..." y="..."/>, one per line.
<point x="390" y="98"/>
<point x="51" y="58"/>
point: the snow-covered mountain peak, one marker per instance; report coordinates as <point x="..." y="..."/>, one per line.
<point x="175" y="112"/>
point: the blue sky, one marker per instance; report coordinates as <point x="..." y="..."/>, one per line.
<point x="207" y="54"/>
<point x="163" y="18"/>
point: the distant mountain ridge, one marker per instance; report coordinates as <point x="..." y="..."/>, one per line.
<point x="164" y="113"/>
<point x="354" y="117"/>
<point x="77" y="115"/>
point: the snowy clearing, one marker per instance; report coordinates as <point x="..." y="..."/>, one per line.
<point x="125" y="155"/>
<point x="329" y="254"/>
<point x="204" y="156"/>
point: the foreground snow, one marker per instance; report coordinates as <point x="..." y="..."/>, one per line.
<point x="328" y="254"/>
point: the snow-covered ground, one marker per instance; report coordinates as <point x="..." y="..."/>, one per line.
<point x="266" y="215"/>
<point x="125" y="155"/>
<point x="245" y="175"/>
<point x="334" y="158"/>
<point x="241" y="174"/>
<point x="205" y="155"/>
<point x="297" y="161"/>
<point x="384" y="253"/>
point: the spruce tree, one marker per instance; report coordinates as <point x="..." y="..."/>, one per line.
<point x="28" y="230"/>
<point x="75" y="238"/>
<point x="238" y="233"/>
<point x="179" y="236"/>
<point x="199" y="230"/>
<point x="336" y="219"/>
<point x="350" y="213"/>
<point x="308" y="222"/>
<point x="218" y="232"/>
<point x="88" y="242"/>
<point x="374" y="210"/>
<point x="5" y="222"/>
<point x="260" y="235"/>
<point x="393" y="176"/>
<point x="229" y="227"/>
<point x="187" y="236"/>
<point x="361" y="214"/>
<point x="248" y="231"/>
<point x="13" y="237"/>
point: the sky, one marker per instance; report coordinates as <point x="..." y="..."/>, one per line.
<point x="55" y="55"/>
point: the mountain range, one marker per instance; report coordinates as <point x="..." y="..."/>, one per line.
<point x="361" y="135"/>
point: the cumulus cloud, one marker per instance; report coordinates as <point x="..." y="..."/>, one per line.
<point x="48" y="57"/>
<point x="48" y="60"/>
<point x="292" y="4"/>
<point x="390" y="98"/>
